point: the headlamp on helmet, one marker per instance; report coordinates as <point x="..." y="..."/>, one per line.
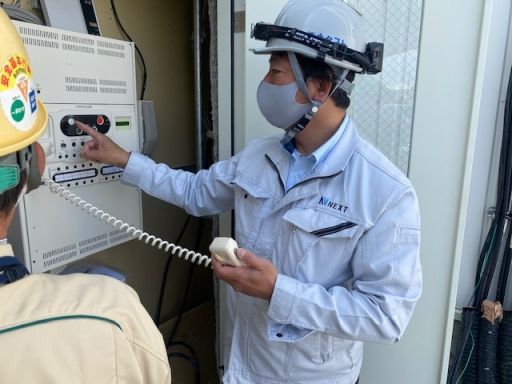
<point x="369" y="61"/>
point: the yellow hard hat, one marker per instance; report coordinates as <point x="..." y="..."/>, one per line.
<point x="23" y="118"/>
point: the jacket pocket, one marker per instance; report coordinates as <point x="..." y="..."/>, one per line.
<point x="321" y="356"/>
<point x="319" y="245"/>
<point x="324" y="349"/>
<point x="251" y="205"/>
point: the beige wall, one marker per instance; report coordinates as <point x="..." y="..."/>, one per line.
<point x="162" y="30"/>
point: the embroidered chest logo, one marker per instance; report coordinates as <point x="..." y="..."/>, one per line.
<point x="331" y="204"/>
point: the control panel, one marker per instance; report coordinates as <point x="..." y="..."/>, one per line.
<point x="101" y="123"/>
<point x="91" y="79"/>
<point x="63" y="142"/>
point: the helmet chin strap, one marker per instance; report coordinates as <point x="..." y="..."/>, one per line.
<point x="301" y="123"/>
<point x="27" y="158"/>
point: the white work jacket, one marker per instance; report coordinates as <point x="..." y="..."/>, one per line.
<point x="76" y="329"/>
<point x="345" y="242"/>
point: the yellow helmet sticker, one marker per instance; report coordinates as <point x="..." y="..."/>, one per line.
<point x="17" y="92"/>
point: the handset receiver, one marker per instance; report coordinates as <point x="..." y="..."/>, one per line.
<point x="224" y="250"/>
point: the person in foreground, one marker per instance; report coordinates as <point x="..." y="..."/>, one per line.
<point x="58" y="329"/>
<point x="328" y="227"/>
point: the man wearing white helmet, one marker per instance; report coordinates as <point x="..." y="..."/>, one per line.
<point x="328" y="228"/>
<point x="58" y="329"/>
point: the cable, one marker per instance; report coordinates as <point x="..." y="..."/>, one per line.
<point x="501" y="289"/>
<point x="166" y="273"/>
<point x="153" y="241"/>
<point x="467" y="362"/>
<point x="496" y="242"/>
<point x="144" y="69"/>
<point x="187" y="289"/>
<point x="503" y="204"/>
<point x="170" y="343"/>
<point x="183" y="344"/>
<point x="16" y="13"/>
<point x="192" y="362"/>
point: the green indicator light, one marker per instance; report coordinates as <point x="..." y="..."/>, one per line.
<point x="123" y="125"/>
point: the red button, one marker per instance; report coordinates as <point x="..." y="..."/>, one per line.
<point x="100" y="120"/>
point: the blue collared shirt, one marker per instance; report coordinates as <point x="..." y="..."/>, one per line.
<point x="302" y="166"/>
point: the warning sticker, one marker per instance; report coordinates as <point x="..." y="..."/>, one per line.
<point x="17" y="92"/>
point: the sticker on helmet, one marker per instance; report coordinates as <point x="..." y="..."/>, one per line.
<point x="17" y="92"/>
<point x="17" y="110"/>
<point x="333" y="39"/>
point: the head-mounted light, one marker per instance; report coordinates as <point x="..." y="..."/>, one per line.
<point x="370" y="60"/>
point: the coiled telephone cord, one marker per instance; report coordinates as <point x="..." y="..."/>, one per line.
<point x="151" y="240"/>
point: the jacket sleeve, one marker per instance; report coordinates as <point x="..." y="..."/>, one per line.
<point x="380" y="300"/>
<point x="207" y="192"/>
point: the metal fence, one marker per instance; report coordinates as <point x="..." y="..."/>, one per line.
<point x="383" y="104"/>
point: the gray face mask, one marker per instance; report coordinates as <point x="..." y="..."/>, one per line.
<point x="277" y="103"/>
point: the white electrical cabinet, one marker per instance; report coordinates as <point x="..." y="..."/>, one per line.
<point x="90" y="79"/>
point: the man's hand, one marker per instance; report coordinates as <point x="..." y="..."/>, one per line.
<point x="102" y="149"/>
<point x="256" y="279"/>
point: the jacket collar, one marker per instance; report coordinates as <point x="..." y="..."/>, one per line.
<point x="6" y="250"/>
<point x="336" y="160"/>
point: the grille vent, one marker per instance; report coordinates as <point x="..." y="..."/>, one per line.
<point x="81" y="84"/>
<point x="77" y="44"/>
<point x="81" y="88"/>
<point x="77" y="48"/>
<point x="112" y="90"/>
<point x="46" y="39"/>
<point x="110" y="45"/>
<point x="92" y="247"/>
<point x="78" y="40"/>
<point x="105" y="52"/>
<point x="59" y="255"/>
<point x="113" y="86"/>
<point x="84" y="84"/>
<point x="109" y="48"/>
<point x="118" y="235"/>
<point x="38" y="38"/>
<point x="93" y="243"/>
<point x="80" y="80"/>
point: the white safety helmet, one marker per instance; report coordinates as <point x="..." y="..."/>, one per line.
<point x="330" y="31"/>
<point x="327" y="30"/>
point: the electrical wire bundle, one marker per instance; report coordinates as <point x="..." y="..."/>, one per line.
<point x="144" y="69"/>
<point x="15" y="12"/>
<point x="170" y="344"/>
<point x="504" y="342"/>
<point x="475" y="358"/>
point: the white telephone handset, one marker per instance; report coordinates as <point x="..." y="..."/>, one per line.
<point x="224" y="248"/>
